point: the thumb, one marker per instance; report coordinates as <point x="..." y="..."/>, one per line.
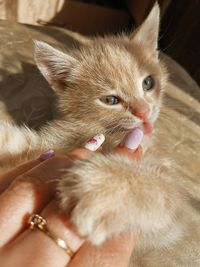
<point x="131" y="145"/>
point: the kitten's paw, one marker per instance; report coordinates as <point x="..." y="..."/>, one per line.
<point x="108" y="194"/>
<point x="97" y="199"/>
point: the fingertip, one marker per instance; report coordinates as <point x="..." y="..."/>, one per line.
<point x="95" y="142"/>
<point x="134" y="138"/>
<point x="47" y="154"/>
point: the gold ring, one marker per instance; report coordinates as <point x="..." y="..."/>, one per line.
<point x="37" y="222"/>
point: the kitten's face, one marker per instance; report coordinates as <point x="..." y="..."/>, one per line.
<point x="113" y="84"/>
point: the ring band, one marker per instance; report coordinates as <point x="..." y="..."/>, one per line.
<point x="37" y="222"/>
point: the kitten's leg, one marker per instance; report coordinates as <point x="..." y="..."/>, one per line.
<point x="108" y="194"/>
<point x="16" y="142"/>
<point x="4" y="115"/>
<point x="20" y="143"/>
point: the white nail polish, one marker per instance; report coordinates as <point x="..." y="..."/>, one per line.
<point x="94" y="143"/>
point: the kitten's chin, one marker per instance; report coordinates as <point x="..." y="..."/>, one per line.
<point x="146" y="127"/>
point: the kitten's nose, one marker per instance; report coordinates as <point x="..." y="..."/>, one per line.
<point x="141" y="109"/>
<point x="141" y="115"/>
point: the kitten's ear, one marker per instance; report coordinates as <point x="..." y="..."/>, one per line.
<point x="148" y="31"/>
<point x="55" y="65"/>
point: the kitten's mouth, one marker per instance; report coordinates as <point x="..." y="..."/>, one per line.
<point x="146" y="127"/>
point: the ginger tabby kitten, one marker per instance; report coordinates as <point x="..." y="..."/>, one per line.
<point x="111" y="85"/>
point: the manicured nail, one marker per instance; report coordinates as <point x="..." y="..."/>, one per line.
<point x="47" y="154"/>
<point x="134" y="138"/>
<point x="95" y="142"/>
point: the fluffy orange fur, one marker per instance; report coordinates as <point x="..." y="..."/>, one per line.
<point x="107" y="194"/>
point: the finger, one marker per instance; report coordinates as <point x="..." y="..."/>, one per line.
<point x="131" y="144"/>
<point x="134" y="139"/>
<point x="115" y="252"/>
<point x="31" y="191"/>
<point x="8" y="176"/>
<point x="28" y="193"/>
<point x="35" y="242"/>
<point x="60" y="224"/>
<point x="94" y="144"/>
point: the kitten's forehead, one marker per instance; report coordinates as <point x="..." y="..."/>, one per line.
<point x="119" y="66"/>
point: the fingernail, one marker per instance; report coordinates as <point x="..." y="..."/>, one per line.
<point x="134" y="138"/>
<point x="95" y="142"/>
<point x="47" y="154"/>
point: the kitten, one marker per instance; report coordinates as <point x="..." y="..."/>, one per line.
<point x="110" y="85"/>
<point x="123" y="69"/>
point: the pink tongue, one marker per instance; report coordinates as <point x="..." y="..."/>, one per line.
<point x="134" y="138"/>
<point x="148" y="127"/>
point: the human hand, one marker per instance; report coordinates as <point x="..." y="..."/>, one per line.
<point x="31" y="190"/>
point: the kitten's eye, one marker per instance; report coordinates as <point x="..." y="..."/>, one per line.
<point x="148" y="83"/>
<point x="110" y="100"/>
